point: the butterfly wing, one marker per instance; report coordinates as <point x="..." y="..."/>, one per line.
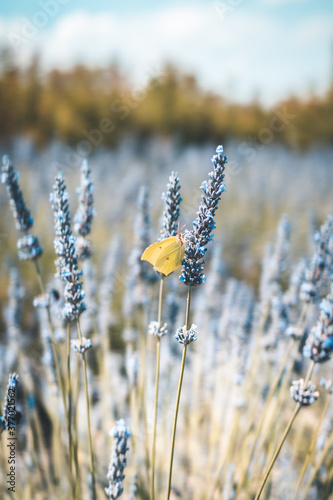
<point x="153" y="252"/>
<point x="165" y="255"/>
<point x="171" y="259"/>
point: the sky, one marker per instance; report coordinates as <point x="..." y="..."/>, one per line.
<point x="268" y="49"/>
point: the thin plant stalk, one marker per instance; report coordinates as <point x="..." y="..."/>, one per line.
<point x="91" y="457"/>
<point x="270" y="395"/>
<point x="157" y="378"/>
<point x="225" y="447"/>
<point x="142" y="395"/>
<point x="69" y="412"/>
<point x="75" y="431"/>
<point x="285" y="434"/>
<point x="187" y="321"/>
<point x="318" y="464"/>
<point x="59" y="376"/>
<point x="35" y="452"/>
<point x="280" y="406"/>
<point x="264" y="414"/>
<point x="53" y="342"/>
<point x="312" y="445"/>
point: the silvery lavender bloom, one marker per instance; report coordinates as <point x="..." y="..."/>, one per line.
<point x="85" y="213"/>
<point x="319" y="344"/>
<point x="240" y="325"/>
<point x="279" y="315"/>
<point x="274" y="261"/>
<point x="172" y="201"/>
<point x="184" y="336"/>
<point x="9" y="352"/>
<point x="21" y="213"/>
<point x="291" y="296"/>
<point x="108" y="284"/>
<point x="139" y="270"/>
<point x="90" y="288"/>
<point x="115" y="474"/>
<point x="235" y="325"/>
<point x="321" y="266"/>
<point x="201" y="234"/>
<point x="83" y="248"/>
<point x="215" y="274"/>
<point x="9" y="405"/>
<point x="81" y="345"/>
<point x="13" y="311"/>
<point x="133" y="493"/>
<point x="142" y="228"/>
<point x="132" y="364"/>
<point x="304" y="395"/>
<point x="64" y="244"/>
<point x="42" y="301"/>
<point x="155" y="329"/>
<point x="281" y="249"/>
<point x="226" y="323"/>
<point x="47" y="359"/>
<point x="327" y="384"/>
<point x="28" y="246"/>
<point x="296" y="333"/>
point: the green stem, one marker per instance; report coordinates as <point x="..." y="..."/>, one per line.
<point x="285" y="434"/>
<point x="84" y="363"/>
<point x="179" y="392"/>
<point x="157" y="378"/>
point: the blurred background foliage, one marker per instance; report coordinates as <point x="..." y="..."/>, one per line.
<point x="68" y="105"/>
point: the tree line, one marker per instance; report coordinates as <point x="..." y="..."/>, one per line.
<point x="103" y="106"/>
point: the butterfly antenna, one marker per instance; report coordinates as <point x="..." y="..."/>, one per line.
<point x="180" y="228"/>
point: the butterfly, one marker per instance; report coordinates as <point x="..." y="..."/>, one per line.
<point x="166" y="255"/>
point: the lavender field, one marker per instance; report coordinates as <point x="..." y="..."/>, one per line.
<point x="125" y="382"/>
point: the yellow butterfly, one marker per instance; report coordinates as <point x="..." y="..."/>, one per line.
<point x="166" y="255"/>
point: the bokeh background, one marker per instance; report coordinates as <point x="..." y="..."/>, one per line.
<point x="140" y="89"/>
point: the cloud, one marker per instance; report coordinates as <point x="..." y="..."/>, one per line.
<point x="231" y="49"/>
<point x="280" y="3"/>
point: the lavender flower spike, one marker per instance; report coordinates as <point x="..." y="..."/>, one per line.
<point x="186" y="337"/>
<point x="81" y="345"/>
<point x="172" y="201"/>
<point x="319" y="344"/>
<point x="28" y="245"/>
<point x="115" y="474"/>
<point x="8" y="408"/>
<point x="304" y="395"/>
<point x="64" y="244"/>
<point x="20" y="211"/>
<point x="201" y="234"/>
<point x="85" y="213"/>
<point x="154" y="328"/>
<point x="320" y="268"/>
